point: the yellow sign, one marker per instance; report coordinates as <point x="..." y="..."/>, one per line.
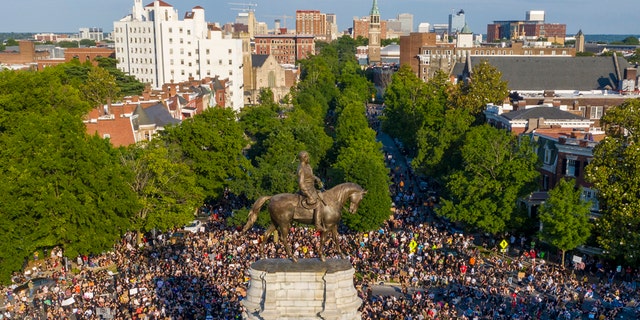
<point x="504" y="244"/>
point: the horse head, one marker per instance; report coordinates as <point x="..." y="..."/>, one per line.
<point x="354" y="200"/>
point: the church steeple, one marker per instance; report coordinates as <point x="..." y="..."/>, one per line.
<point x="374" y="9"/>
<point x="374" y="34"/>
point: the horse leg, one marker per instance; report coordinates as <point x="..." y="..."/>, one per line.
<point x="265" y="237"/>
<point x="323" y="240"/>
<point x="334" y="233"/>
<point x="284" y="229"/>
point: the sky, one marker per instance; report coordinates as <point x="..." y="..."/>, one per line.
<point x="68" y="16"/>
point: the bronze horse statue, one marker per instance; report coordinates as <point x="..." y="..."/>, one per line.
<point x="286" y="208"/>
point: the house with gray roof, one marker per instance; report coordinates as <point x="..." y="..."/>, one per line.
<point x="148" y="121"/>
<point x="557" y="73"/>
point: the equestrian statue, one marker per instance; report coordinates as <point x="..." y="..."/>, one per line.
<point x="310" y="207"/>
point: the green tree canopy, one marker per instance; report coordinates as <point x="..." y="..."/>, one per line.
<point x="212" y="143"/>
<point x="614" y="172"/>
<point x="62" y="188"/>
<point x="405" y="106"/>
<point x="485" y="86"/>
<point x="565" y="217"/>
<point x="165" y="185"/>
<point x="497" y="171"/>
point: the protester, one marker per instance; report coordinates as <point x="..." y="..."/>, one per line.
<point x="441" y="274"/>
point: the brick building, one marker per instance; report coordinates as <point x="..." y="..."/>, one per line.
<point x="286" y="48"/>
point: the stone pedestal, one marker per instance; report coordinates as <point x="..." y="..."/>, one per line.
<point x="309" y="289"/>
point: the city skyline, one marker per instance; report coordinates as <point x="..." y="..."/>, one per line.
<point x="69" y="16"/>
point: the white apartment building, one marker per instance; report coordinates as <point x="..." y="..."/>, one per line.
<point x="156" y="47"/>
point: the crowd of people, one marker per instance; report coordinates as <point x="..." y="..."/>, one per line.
<point x="439" y="273"/>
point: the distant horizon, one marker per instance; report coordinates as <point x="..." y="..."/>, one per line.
<point x="590" y="16"/>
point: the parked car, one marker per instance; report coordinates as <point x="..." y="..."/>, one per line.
<point x="193" y="226"/>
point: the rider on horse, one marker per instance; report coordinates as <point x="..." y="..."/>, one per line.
<point x="307" y="181"/>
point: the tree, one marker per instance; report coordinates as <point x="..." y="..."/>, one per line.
<point x="442" y="131"/>
<point x="485" y="86"/>
<point x="360" y="160"/>
<point x="100" y="88"/>
<point x="497" y="171"/>
<point x="68" y="44"/>
<point x="565" y="217"/>
<point x="212" y="143"/>
<point x="614" y="172"/>
<point x="631" y="40"/>
<point x="87" y="43"/>
<point x="62" y="188"/>
<point x="165" y="185"/>
<point x="405" y="101"/>
<point x="129" y="85"/>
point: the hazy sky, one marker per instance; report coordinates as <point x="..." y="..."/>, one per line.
<point x="592" y="16"/>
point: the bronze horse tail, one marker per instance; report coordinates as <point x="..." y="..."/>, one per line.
<point x="255" y="210"/>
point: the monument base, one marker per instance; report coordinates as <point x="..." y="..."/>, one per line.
<point x="309" y="289"/>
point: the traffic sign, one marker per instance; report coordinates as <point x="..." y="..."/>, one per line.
<point x="504" y="244"/>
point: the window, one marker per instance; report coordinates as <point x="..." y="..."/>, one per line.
<point x="230" y="62"/>
<point x="547" y="155"/>
<point x="596" y="112"/>
<point x="229" y="51"/>
<point x="572" y="168"/>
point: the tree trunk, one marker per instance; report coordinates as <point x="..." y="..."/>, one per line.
<point x="563" y="252"/>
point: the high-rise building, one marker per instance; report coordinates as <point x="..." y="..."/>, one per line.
<point x="456" y="22"/>
<point x="374" y="34"/>
<point x="332" y="26"/>
<point x="286" y="48"/>
<point x="406" y="22"/>
<point x="311" y="22"/>
<point x="157" y="48"/>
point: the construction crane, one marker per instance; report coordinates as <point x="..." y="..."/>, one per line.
<point x="283" y="17"/>
<point x="244" y="6"/>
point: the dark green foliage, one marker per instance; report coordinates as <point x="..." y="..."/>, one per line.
<point x="212" y="145"/>
<point x="129" y="85"/>
<point x="164" y="184"/>
<point x="497" y="171"/>
<point x="614" y="172"/>
<point x="565" y="217"/>
<point x="62" y="188"/>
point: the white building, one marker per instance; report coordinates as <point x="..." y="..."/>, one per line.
<point x="94" y="34"/>
<point x="156" y="47"/>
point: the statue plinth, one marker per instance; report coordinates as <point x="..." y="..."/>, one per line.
<point x="309" y="289"/>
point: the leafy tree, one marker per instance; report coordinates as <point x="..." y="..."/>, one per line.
<point x="87" y="43"/>
<point x="386" y="42"/>
<point x="497" y="171"/>
<point x="614" y="172"/>
<point x="258" y="122"/>
<point x="631" y="40"/>
<point x="63" y="188"/>
<point x="485" y="86"/>
<point x="11" y="42"/>
<point x="442" y="131"/>
<point x="68" y="44"/>
<point x="405" y="101"/>
<point x="100" y="87"/>
<point x="360" y="160"/>
<point x="212" y="144"/>
<point x="165" y="185"/>
<point x="565" y="217"/>
<point x="585" y="54"/>
<point x="129" y="85"/>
